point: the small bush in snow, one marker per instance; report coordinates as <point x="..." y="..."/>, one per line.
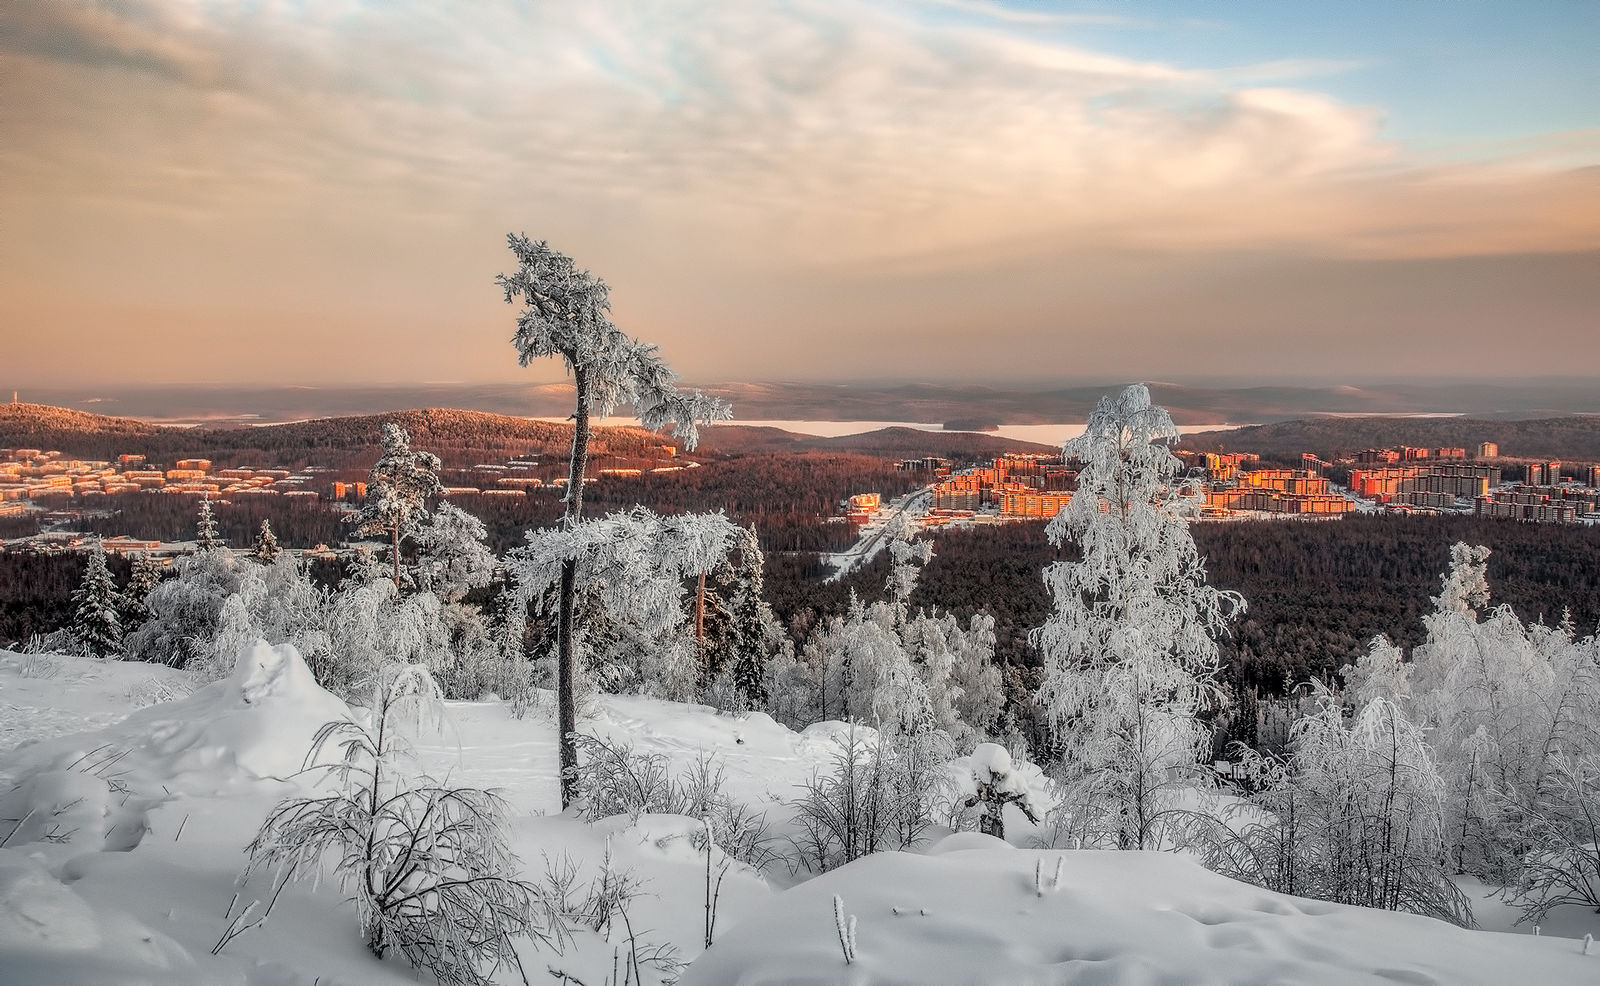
<point x="1562" y="826"/>
<point x="614" y="780"/>
<point x="867" y="804"/>
<point x="424" y="863"/>
<point x="995" y="784"/>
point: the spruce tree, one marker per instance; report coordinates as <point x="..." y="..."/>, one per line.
<point x="95" y="621"/>
<point x="206" y="536"/>
<point x="266" y="549"/>
<point x="146" y="576"/>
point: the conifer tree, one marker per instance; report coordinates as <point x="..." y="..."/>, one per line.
<point x="206" y="536"/>
<point x="145" y="576"/>
<point x="266" y="550"/>
<point x="95" y="621"/>
<point x="566" y="313"/>
<point x="398" y="489"/>
<point x="743" y="632"/>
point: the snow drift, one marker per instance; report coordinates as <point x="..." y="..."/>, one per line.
<point x="257" y="723"/>
<point x="979" y="913"/>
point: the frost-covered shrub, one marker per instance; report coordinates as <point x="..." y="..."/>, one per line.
<point x="1356" y="816"/>
<point x="427" y="865"/>
<point x="1503" y="703"/>
<point x="614" y="780"/>
<point x="186" y="610"/>
<point x="992" y="782"/>
<point x="881" y="796"/>
<point x="1561" y="823"/>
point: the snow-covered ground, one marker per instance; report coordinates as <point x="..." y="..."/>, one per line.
<point x="128" y="878"/>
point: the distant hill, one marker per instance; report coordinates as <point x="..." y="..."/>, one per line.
<point x="1014" y="402"/>
<point x="1568" y="438"/>
<point x="458" y="437"/>
<point x="895" y="442"/>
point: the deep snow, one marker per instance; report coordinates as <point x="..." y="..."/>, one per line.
<point x="140" y="816"/>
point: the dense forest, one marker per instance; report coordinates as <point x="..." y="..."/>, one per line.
<point x="792" y="499"/>
<point x="1317" y="592"/>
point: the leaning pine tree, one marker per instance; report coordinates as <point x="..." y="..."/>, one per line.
<point x="566" y="312"/>
<point x="95" y="604"/>
<point x="1130" y="653"/>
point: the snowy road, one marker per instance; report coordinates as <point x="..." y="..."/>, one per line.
<point x="872" y="538"/>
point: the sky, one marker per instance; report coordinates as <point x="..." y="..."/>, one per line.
<point x="951" y="190"/>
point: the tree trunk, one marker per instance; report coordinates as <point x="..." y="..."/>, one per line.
<point x="700" y="618"/>
<point x="566" y="664"/>
<point x="394" y="549"/>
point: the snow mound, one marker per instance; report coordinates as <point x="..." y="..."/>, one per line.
<point x="48" y="933"/>
<point x="257" y="723"/>
<point x="966" y="841"/>
<point x="1115" y="917"/>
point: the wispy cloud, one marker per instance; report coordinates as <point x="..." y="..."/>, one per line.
<point x="321" y="140"/>
<point x="856" y="123"/>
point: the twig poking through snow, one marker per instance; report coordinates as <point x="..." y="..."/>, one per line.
<point x="847" y="930"/>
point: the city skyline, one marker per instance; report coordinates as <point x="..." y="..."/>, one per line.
<point x="954" y="190"/>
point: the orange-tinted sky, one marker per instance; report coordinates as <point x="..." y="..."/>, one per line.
<point x="319" y="192"/>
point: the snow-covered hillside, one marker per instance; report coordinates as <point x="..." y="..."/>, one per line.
<point x="126" y="869"/>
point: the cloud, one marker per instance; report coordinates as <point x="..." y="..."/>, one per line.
<point x="856" y="127"/>
<point x="347" y="167"/>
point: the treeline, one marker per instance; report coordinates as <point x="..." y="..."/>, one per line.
<point x="36" y="590"/>
<point x="296" y="522"/>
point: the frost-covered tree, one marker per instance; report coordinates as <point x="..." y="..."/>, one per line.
<point x="636" y="563"/>
<point x="741" y="632"/>
<point x="186" y="610"/>
<point x="266" y="548"/>
<point x="1130" y="653"/>
<point x="907" y="555"/>
<point x="957" y="666"/>
<point x="453" y="555"/>
<point x="146" y="574"/>
<point x="206" y="536"/>
<point x="398" y="489"/>
<point x="566" y="313"/>
<point x="96" y="621"/>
